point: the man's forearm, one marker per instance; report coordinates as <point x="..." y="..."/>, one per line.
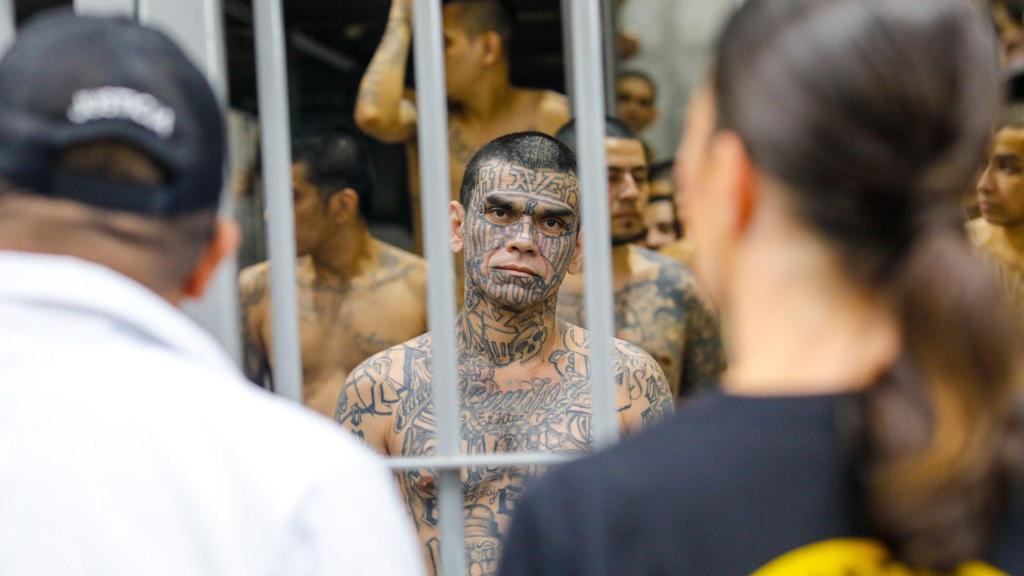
<point x="379" y="104"/>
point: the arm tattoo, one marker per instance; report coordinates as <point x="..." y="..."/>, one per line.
<point x="383" y="84"/>
<point x="704" y="359"/>
<point x="253" y="291"/>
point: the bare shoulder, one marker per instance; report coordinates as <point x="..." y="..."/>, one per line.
<point x="397" y="265"/>
<point x="253" y="283"/>
<point x="551" y="110"/>
<point x="371" y="393"/>
<point x="630" y="357"/>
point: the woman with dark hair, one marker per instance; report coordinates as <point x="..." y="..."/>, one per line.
<point x="870" y="421"/>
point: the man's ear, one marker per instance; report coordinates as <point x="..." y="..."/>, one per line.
<point x="576" y="264"/>
<point x="456" y="218"/>
<point x="735" y="173"/>
<point x="224" y="242"/>
<point x="343" y="207"/>
<point x="492" y="47"/>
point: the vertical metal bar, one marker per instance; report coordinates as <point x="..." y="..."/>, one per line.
<point x="101" y="7"/>
<point x="611" y="54"/>
<point x="567" y="59"/>
<point x="435" y="183"/>
<point x="197" y="26"/>
<point x="272" y="79"/>
<point x="6" y="24"/>
<point x="590" y="127"/>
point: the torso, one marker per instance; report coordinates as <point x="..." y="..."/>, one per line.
<point x="502" y="410"/>
<point x="1008" y="263"/>
<point x="654" y="303"/>
<point x="340" y="326"/>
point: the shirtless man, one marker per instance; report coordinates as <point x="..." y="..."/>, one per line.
<point x="657" y="304"/>
<point x="999" y="233"/>
<point x="482" y="102"/>
<point x="357" y="295"/>
<point x="523" y="374"/>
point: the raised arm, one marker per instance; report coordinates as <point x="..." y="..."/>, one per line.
<point x="252" y="303"/>
<point x="643" y="393"/>
<point x="381" y="109"/>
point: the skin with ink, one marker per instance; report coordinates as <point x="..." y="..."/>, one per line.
<point x="357" y="296"/>
<point x="523" y="374"/>
<point x="656" y="299"/>
<point x="482" y="102"/>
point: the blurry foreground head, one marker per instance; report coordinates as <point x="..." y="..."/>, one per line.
<point x="112" y="149"/>
<point x="517" y="221"/>
<point x="844" y="130"/>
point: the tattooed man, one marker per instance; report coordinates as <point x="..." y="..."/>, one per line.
<point x="357" y="295"/>
<point x="657" y="305"/>
<point x="522" y="372"/>
<point x="482" y="102"/>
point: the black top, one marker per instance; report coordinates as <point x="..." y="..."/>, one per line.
<point x="728" y="486"/>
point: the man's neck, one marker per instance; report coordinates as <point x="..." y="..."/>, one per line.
<point x="503" y="337"/>
<point x="345" y="255"/>
<point x="621" y="268"/>
<point x="493" y="99"/>
<point x="1015" y="236"/>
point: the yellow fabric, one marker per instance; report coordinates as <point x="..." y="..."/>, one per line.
<point x="853" y="557"/>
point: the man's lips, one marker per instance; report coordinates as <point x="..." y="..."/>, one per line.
<point x="515" y="270"/>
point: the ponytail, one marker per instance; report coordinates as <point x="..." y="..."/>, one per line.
<point x="941" y="431"/>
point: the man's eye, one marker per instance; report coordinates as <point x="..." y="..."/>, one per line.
<point x="552" y="224"/>
<point x="499" y="213"/>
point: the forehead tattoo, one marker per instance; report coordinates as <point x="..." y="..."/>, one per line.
<point x="508" y="177"/>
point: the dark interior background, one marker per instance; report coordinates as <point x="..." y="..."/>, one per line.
<point x="330" y="44"/>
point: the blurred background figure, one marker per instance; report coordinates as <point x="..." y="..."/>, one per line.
<point x="1008" y="17"/>
<point x="357" y="295"/>
<point x="635" y="94"/>
<point x="674" y="42"/>
<point x="657" y="302"/>
<point x="872" y="418"/>
<point x="663" y="229"/>
<point x="999" y="232"/>
<point x="483" y="103"/>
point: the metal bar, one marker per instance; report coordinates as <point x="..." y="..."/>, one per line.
<point x="272" y="77"/>
<point x="198" y="27"/>
<point x="106" y="7"/>
<point x="299" y="41"/>
<point x="567" y="59"/>
<point x="6" y="24"/>
<point x="611" y="54"/>
<point x="590" y="127"/>
<point x="435" y="183"/>
<point x="504" y="460"/>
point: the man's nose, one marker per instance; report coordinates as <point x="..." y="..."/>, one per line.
<point x="629" y="189"/>
<point x="522" y="239"/>
<point x="985" y="183"/>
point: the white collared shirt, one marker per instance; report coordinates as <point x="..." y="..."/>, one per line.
<point x="130" y="445"/>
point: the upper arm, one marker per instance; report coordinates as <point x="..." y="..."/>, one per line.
<point x="554" y="112"/>
<point x="368" y="399"/>
<point x="643" y="392"/>
<point x="704" y="355"/>
<point x="252" y="302"/>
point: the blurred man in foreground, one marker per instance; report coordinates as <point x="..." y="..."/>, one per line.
<point x="129" y="443"/>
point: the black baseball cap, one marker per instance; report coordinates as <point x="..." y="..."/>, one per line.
<point x="70" y="79"/>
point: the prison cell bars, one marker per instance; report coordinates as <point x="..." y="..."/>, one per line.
<point x="589" y="101"/>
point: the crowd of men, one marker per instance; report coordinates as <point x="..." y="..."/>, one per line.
<point x="108" y="222"/>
